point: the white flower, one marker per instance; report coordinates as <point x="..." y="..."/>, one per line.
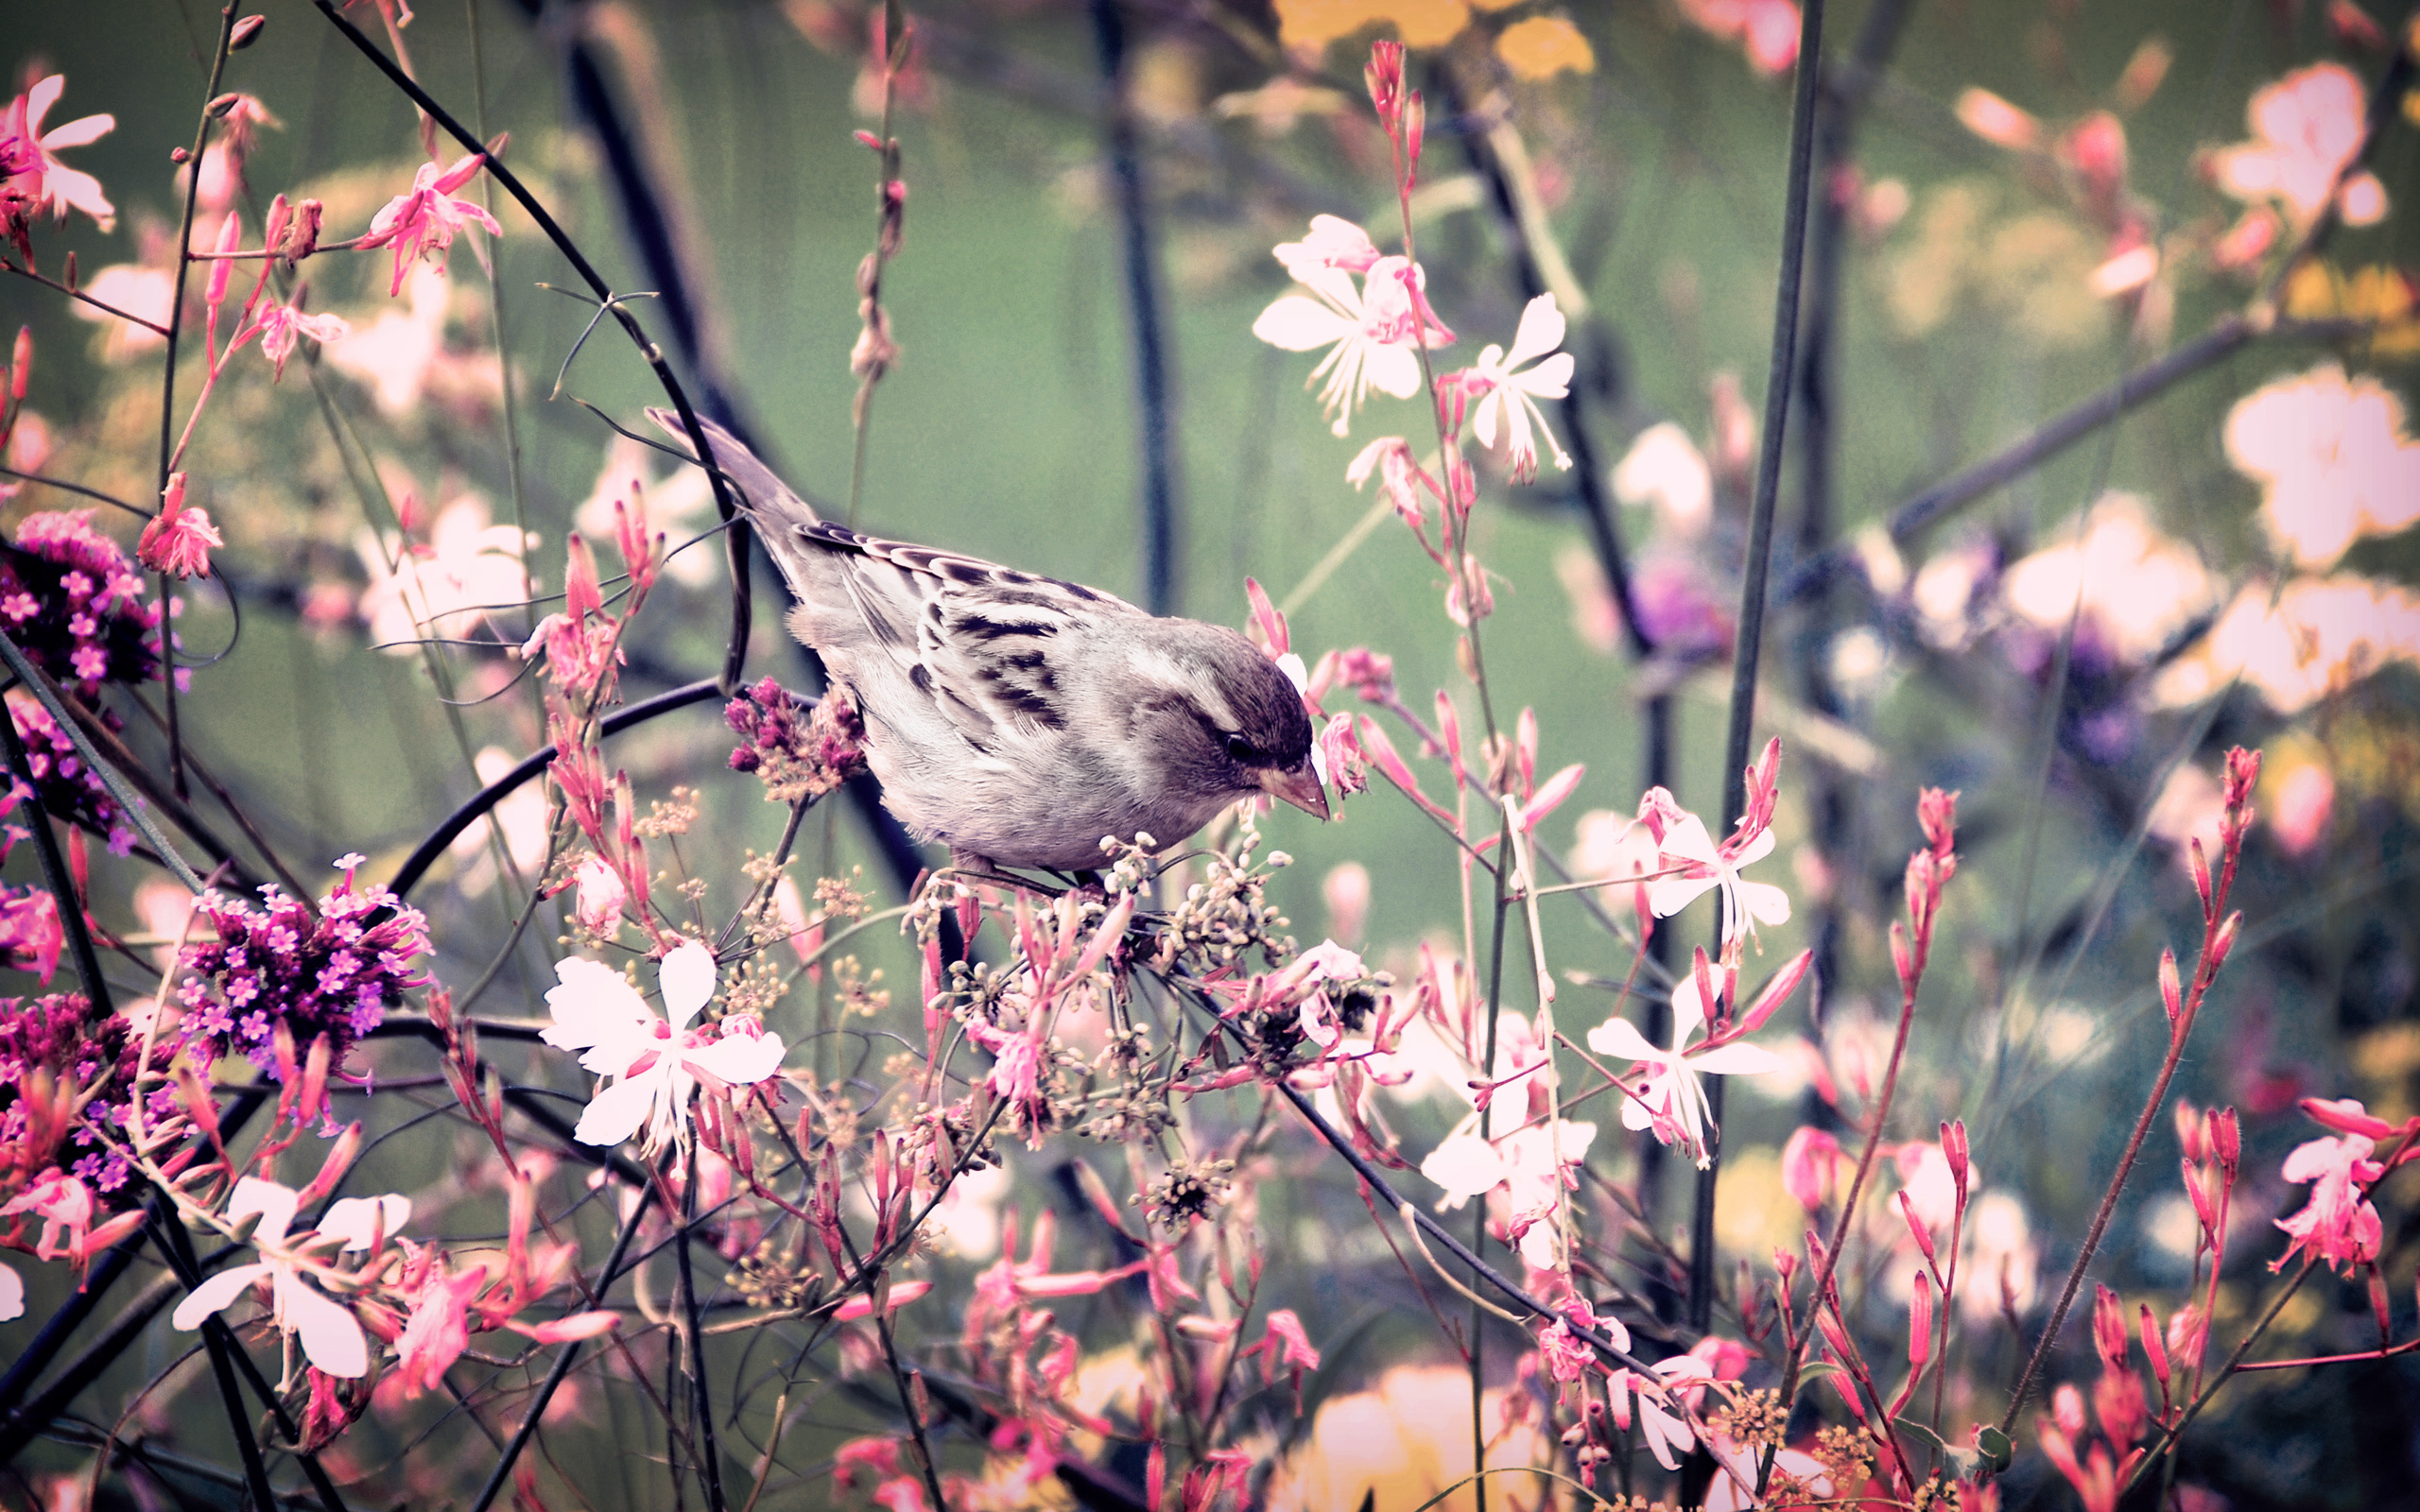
<point x="1745" y="905"/>
<point x="332" y="1340"/>
<point x="1668" y="1435"/>
<point x="1671" y="1102"/>
<point x="1369" y="331"/>
<point x="653" y="1066"/>
<point x="1511" y="399"/>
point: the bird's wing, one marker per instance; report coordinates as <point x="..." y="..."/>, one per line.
<point x="984" y="645"/>
<point x="976" y="647"/>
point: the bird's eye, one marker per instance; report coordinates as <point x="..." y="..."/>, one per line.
<point x="1240" y="749"/>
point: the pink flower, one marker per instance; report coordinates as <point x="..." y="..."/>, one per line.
<point x="2339" y="1225"/>
<point x="30" y="935"/>
<point x="177" y="541"/>
<point x="1703" y="868"/>
<point x="332" y="1339"/>
<point x="1810" y="1165"/>
<point x="2332" y="458"/>
<point x="139" y="290"/>
<point x="654" y="1064"/>
<point x="426" y="219"/>
<point x="2305" y="129"/>
<point x="1369" y="329"/>
<point x="64" y="188"/>
<point x="282" y="327"/>
<point x="1509" y="399"/>
<point x="65" y="1207"/>
<point x="1671" y="1100"/>
<point x="1998" y="122"/>
<point x="439" y="1329"/>
<point x="1767" y="30"/>
<point x="600" y="897"/>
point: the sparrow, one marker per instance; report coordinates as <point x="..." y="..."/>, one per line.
<point x="1014" y="718"/>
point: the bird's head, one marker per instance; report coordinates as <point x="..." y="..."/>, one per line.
<point x="1219" y="721"/>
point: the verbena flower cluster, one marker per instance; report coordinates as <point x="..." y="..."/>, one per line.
<point x="330" y="970"/>
<point x="60" y="1042"/>
<point x="66" y="784"/>
<point x="74" y="602"/>
<point x="798" y="750"/>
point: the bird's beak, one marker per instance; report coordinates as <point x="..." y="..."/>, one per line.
<point x="1300" y="786"/>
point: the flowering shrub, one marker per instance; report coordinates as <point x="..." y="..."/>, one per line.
<point x="1596" y="1116"/>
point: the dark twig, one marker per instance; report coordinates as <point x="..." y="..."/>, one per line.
<point x="563" y="1361"/>
<point x="168" y="385"/>
<point x="1780" y="375"/>
<point x="736" y="652"/>
<point x="55" y="874"/>
<point x="1160" y="586"/>
<point x="62" y="484"/>
<point x="709" y="1450"/>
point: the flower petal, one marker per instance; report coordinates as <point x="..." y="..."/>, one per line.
<point x="331" y="1335"/>
<point x="739" y="1059"/>
<point x="357" y="1219"/>
<point x="687" y="977"/>
<point x="79" y="133"/>
<point x="274" y="1203"/>
<point x="1617" y="1036"/>
<point x="591" y="1001"/>
<point x="1541" y="331"/>
<point x="1299" y="323"/>
<point x="217" y="1292"/>
<point x="1737" y="1061"/>
<point x="615" y="1113"/>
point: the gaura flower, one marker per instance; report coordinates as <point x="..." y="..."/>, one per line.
<point x="426" y="219"/>
<point x="1670" y="1101"/>
<point x="2306" y="128"/>
<point x="332" y="1339"/>
<point x="653" y="1064"/>
<point x="1509" y="399"/>
<point x="178" y="541"/>
<point x="2339" y="1225"/>
<point x="64" y="188"/>
<point x="1370" y="330"/>
<point x="1745" y="905"/>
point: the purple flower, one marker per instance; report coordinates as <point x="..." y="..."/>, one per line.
<point x="331" y="970"/>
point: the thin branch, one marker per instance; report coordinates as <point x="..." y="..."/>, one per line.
<point x="1780" y="377"/>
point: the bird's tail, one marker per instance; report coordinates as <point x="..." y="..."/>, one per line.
<point x="768" y="500"/>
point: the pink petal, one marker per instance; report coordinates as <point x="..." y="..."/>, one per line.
<point x="740" y="1059"/>
<point x="79" y="133"/>
<point x="13" y="1294"/>
<point x="40" y="99"/>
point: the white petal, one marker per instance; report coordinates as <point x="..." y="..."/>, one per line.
<point x="1465" y="1165"/>
<point x="740" y="1059"/>
<point x="1765" y="903"/>
<point x="592" y="999"/>
<point x="1688" y="1010"/>
<point x="1541" y="331"/>
<point x="615" y="1113"/>
<point x="1755" y="851"/>
<point x="1617" y="1036"/>
<point x="78" y="132"/>
<point x="1737" y="1061"/>
<point x="13" y="1294"/>
<point x="1297" y="324"/>
<point x="1670" y="895"/>
<point x="1391" y="371"/>
<point x="1550" y="379"/>
<point x="217" y="1292"/>
<point x="331" y="1336"/>
<point x="1484" y="417"/>
<point x="274" y="1203"/>
<point x="687" y="977"/>
<point x="355" y="1218"/>
<point x="1687" y="840"/>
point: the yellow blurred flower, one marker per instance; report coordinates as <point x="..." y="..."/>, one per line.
<point x="1544" y="46"/>
<point x="2332" y="461"/>
<point x="2321" y="635"/>
<point x="1314" y="24"/>
<point x="2385" y="298"/>
<point x="1400" y="1443"/>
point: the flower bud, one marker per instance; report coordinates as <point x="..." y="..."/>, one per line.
<point x="2192" y="1129"/>
<point x="1920" y="1322"/>
<point x="1415" y="126"/>
<point x="2171" y="991"/>
<point x="218" y="107"/>
<point x="2153" y="1346"/>
<point x="2109" y="1328"/>
<point x="247" y="32"/>
<point x="2226" y="1136"/>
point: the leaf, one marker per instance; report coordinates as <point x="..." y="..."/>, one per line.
<point x="1994" y="1449"/>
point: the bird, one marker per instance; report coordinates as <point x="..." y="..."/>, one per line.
<point x="1018" y="719"/>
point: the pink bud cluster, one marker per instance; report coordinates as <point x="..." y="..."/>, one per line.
<point x="65" y="784"/>
<point x="797" y="748"/>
